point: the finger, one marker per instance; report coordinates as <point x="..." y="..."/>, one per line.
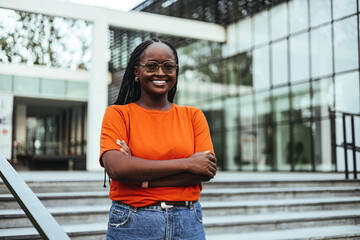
<point x="206" y="152"/>
<point x="125" y="152"/>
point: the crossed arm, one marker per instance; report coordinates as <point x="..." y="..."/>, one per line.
<point x="122" y="166"/>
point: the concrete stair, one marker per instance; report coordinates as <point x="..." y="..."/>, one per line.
<point x="246" y="206"/>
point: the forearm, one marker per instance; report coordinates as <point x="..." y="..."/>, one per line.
<point x="179" y="180"/>
<point x="121" y="167"/>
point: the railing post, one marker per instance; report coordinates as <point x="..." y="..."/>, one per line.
<point x="39" y="216"/>
<point x="345" y="147"/>
<point x="353" y="146"/>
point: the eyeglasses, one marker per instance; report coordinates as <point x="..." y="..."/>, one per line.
<point x="152" y="66"/>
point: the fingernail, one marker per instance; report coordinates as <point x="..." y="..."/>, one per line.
<point x="208" y="151"/>
<point x="122" y="150"/>
<point x="123" y="141"/>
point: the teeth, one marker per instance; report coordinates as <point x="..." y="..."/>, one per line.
<point x="159" y="82"/>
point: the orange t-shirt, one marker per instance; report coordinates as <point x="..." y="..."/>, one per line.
<point x="155" y="135"/>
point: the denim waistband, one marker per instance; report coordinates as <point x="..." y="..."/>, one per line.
<point x="154" y="207"/>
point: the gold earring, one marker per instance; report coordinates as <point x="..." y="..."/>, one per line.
<point x="136" y="79"/>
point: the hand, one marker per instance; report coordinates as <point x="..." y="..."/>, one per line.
<point x="124" y="147"/>
<point x="203" y="163"/>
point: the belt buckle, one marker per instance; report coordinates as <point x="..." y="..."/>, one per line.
<point x="164" y="206"/>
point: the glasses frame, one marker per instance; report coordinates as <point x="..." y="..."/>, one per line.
<point x="160" y="65"/>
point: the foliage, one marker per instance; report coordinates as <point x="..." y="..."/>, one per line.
<point x="33" y="38"/>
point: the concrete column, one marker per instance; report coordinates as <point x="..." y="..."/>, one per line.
<point x="97" y="100"/>
<point x="20" y="123"/>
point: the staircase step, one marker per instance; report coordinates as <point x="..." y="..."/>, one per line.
<point x="54" y="199"/>
<point x="280" y="221"/>
<point x="230" y="194"/>
<point x="226" y="208"/>
<point x="332" y="232"/>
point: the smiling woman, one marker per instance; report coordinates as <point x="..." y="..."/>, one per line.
<point x="157" y="153"/>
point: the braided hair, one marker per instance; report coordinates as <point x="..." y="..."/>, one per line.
<point x="130" y="90"/>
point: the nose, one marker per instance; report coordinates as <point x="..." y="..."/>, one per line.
<point x="160" y="71"/>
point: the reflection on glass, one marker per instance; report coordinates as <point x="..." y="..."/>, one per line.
<point x="298" y="13"/>
<point x="231" y="113"/>
<point x="320" y="12"/>
<point x="346" y="44"/>
<point x="261" y="73"/>
<point x="301" y="146"/>
<point x="26" y="85"/>
<point x="321" y="57"/>
<point x="232" y="150"/>
<point x="281" y="147"/>
<point x="263" y="110"/>
<point x="264" y="149"/>
<point x="245" y="63"/>
<point x="52" y="87"/>
<point x="299" y="57"/>
<point x="244" y="34"/>
<point x="247" y="141"/>
<point x="5" y="83"/>
<point x="301" y="101"/>
<point x="218" y="142"/>
<point x="322" y="97"/>
<point x="77" y="90"/>
<point x="281" y="104"/>
<point x="261" y="34"/>
<point x="279" y="63"/>
<point x="278" y="21"/>
<point x="347" y="92"/>
<point x="322" y="146"/>
<point x="246" y="110"/>
<point x="342" y="8"/>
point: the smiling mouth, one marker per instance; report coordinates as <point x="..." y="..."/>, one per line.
<point x="159" y="82"/>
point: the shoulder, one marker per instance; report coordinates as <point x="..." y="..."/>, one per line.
<point x="116" y="110"/>
<point x="187" y="109"/>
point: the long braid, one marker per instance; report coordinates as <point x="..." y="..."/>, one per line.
<point x="130" y="91"/>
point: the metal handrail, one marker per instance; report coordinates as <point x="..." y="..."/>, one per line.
<point x="39" y="216"/>
<point x="348" y="145"/>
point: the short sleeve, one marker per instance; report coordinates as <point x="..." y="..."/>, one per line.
<point x="201" y="132"/>
<point x="113" y="128"/>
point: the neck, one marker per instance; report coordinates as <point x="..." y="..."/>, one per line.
<point x="161" y="103"/>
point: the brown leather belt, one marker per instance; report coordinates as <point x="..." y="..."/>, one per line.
<point x="169" y="204"/>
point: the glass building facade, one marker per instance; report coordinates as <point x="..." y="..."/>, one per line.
<point x="268" y="92"/>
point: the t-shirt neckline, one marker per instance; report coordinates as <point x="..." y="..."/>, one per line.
<point x="154" y="111"/>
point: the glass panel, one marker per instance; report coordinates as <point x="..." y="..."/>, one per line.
<point x="261" y="71"/>
<point x="231" y="112"/>
<point x="263" y="110"/>
<point x="323" y="97"/>
<point x="302" y="146"/>
<point x="343" y="8"/>
<point x="298" y="15"/>
<point x="321" y="59"/>
<point x="77" y="90"/>
<point x="50" y="87"/>
<point x="247" y="148"/>
<point x="299" y="57"/>
<point x="232" y="150"/>
<point x="346" y="44"/>
<point x="263" y="148"/>
<point x="279" y="63"/>
<point x="5" y="83"/>
<point x="301" y="101"/>
<point x="278" y="21"/>
<point x="281" y="104"/>
<point x="246" y="110"/>
<point x="261" y="34"/>
<point x="320" y="12"/>
<point x="322" y="146"/>
<point x="218" y="142"/>
<point x="245" y="74"/>
<point x="244" y="34"/>
<point x="26" y="85"/>
<point x="347" y="92"/>
<point x="282" y="147"/>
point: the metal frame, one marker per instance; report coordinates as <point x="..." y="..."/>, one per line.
<point x="39" y="216"/>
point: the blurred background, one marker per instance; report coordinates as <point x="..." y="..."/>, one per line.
<point x="274" y="90"/>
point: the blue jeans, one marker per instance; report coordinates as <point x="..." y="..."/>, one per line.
<point x="154" y="223"/>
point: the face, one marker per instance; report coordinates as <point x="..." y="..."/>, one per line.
<point x="156" y="82"/>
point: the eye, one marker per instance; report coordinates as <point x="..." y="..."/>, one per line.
<point x="151" y="66"/>
<point x="169" y="66"/>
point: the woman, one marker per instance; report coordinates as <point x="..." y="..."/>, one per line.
<point x="156" y="152"/>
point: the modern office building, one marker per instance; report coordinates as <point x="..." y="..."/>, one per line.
<point x="269" y="91"/>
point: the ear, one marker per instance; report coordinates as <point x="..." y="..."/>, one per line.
<point x="136" y="71"/>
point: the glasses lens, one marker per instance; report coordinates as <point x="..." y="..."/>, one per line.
<point x="169" y="67"/>
<point x="151" y="66"/>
